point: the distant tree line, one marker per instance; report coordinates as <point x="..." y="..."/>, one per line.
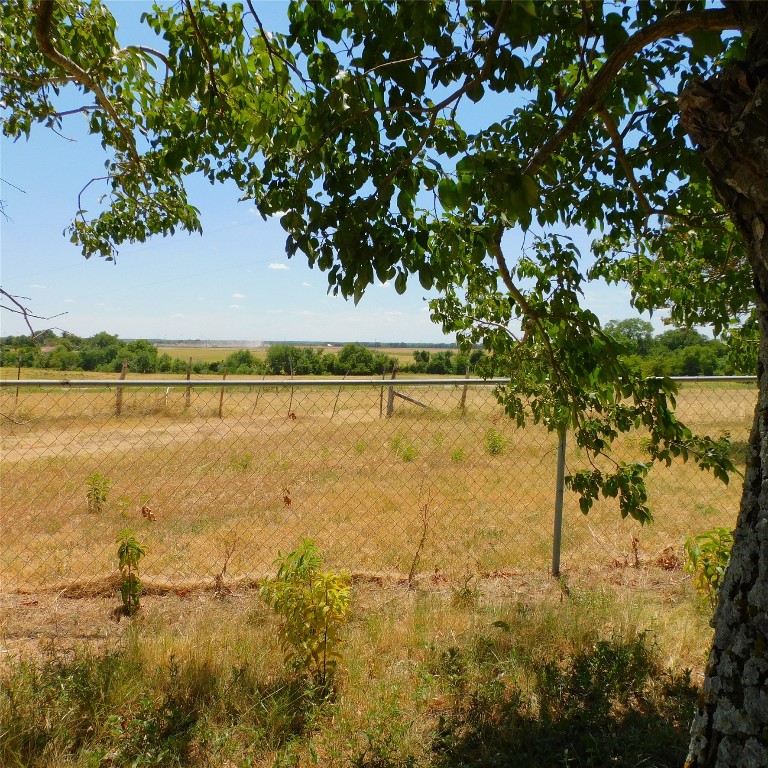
<point x="676" y="352"/>
<point x="105" y="353"/>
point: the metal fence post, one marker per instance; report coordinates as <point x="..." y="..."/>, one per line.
<point x="559" y="494"/>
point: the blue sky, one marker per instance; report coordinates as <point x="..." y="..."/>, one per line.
<point x="233" y="282"/>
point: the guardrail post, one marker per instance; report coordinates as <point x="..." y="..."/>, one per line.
<point x="559" y="494"/>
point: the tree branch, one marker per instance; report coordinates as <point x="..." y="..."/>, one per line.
<point x="86" y="108"/>
<point x="271" y="51"/>
<point x="434" y="110"/>
<point x="43" y="21"/>
<point x="495" y="249"/>
<point x="621" y="156"/>
<point x="207" y="55"/>
<point x="20" y="309"/>
<point x="675" y="23"/>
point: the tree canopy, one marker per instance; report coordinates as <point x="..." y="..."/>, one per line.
<point x="360" y="128"/>
<point x="406" y="140"/>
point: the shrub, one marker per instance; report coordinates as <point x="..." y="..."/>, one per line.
<point x="313" y="606"/>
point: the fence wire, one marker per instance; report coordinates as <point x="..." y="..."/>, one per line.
<point x="406" y="478"/>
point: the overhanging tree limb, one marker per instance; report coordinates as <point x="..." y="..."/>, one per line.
<point x="676" y="23"/>
<point x="43" y="22"/>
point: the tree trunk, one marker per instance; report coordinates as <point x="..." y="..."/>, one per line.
<point x="727" y="118"/>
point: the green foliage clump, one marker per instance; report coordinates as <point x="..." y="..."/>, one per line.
<point x="129" y="553"/>
<point x="241" y="462"/>
<point x="494" y="442"/>
<point x="707" y="558"/>
<point x="402" y="448"/>
<point x="604" y="703"/>
<point x="98" y="486"/>
<point x="313" y="606"/>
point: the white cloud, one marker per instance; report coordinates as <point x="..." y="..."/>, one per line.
<point x="306" y="285"/>
<point x="35" y="285"/>
<point x="234" y="306"/>
<point x="177" y="315"/>
<point x="274" y="311"/>
<point x="275" y="265"/>
<point x="238" y="295"/>
<point x="69" y="301"/>
<point x="277" y="214"/>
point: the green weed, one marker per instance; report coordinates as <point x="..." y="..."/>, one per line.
<point x="129" y="553"/>
<point x="97" y="491"/>
<point x="405" y="450"/>
<point x="707" y="558"/>
<point x="494" y="442"/>
<point x="241" y="462"/>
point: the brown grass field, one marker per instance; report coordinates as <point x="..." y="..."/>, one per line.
<point x="418" y="493"/>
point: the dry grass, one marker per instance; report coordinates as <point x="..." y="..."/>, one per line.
<point x="199" y="681"/>
<point x="366" y="489"/>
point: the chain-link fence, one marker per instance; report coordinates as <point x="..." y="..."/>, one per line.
<point x="405" y="477"/>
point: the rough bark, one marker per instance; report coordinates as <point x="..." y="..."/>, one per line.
<point x="727" y="118"/>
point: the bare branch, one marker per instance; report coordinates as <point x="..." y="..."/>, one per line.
<point x="18" y="189"/>
<point x="80" y="193"/>
<point x="36" y="82"/>
<point x="85" y="108"/>
<point x="150" y="51"/>
<point x="20" y="309"/>
<point x="495" y="249"/>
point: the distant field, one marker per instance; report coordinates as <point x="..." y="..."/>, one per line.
<point x="208" y="354"/>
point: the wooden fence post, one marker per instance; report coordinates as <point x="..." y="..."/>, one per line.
<point x="188" y="391"/>
<point x="119" y="393"/>
<point x="221" y="398"/>
<point x="463" y="404"/>
<point x="290" y="404"/>
<point x="381" y="393"/>
<point x="391" y="395"/>
<point x="18" y="377"/>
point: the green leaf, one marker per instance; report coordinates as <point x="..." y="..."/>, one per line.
<point x="447" y="193"/>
